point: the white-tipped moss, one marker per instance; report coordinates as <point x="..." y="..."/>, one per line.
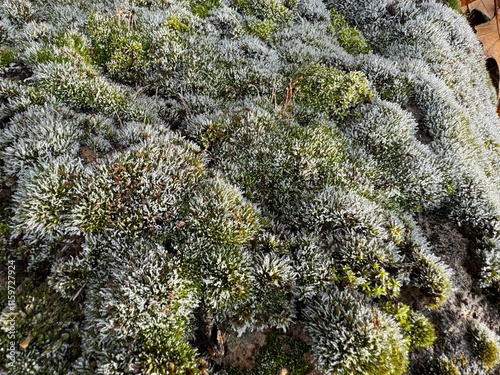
<point x="244" y="156"/>
<point x="485" y="344"/>
<point x="139" y="310"/>
<point x="348" y="335"/>
<point x="432" y="276"/>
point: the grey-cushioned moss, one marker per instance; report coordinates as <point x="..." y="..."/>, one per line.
<point x="261" y="163"/>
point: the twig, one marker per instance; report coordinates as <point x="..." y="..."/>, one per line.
<point x="78" y="293"/>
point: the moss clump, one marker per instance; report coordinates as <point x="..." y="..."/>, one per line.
<point x="422" y="332"/>
<point x="279" y="352"/>
<point x="441" y="365"/>
<point x="203" y="7"/>
<point x="330" y="90"/>
<point x="485" y="344"/>
<point x="349" y="37"/>
<point x="264" y="17"/>
<point x="273" y="10"/>
<point x="47" y="326"/>
<point x="106" y="198"/>
<point x="454" y="4"/>
<point x="118" y="45"/>
<point x="106" y="32"/>
<point x="7" y="56"/>
<point x="143" y="308"/>
<point x="50" y="195"/>
<point x="432" y="277"/>
<point x="177" y="24"/>
<point x="82" y="88"/>
<point x="221" y="214"/>
<point x="127" y="61"/>
<point x="417" y="329"/>
<point x="348" y="335"/>
<point x="263" y="29"/>
<point x="75" y="42"/>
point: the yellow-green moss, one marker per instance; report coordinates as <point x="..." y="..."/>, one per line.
<point x="203" y="7"/>
<point x="485" y="344"/>
<point x="454" y="4"/>
<point x="7" y="56"/>
<point x="265" y="9"/>
<point x="416" y="328"/>
<point x="330" y="90"/>
<point x="263" y="29"/>
<point x="349" y="37"/>
<point x="175" y="23"/>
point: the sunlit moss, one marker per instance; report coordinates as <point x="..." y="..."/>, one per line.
<point x="259" y="160"/>
<point x="485" y="344"/>
<point x="349" y="38"/>
<point x="330" y="90"/>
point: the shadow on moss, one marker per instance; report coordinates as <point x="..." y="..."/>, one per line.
<point x="280" y="353"/>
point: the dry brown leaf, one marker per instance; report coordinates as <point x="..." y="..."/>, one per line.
<point x="487" y="33"/>
<point x="487" y="7"/>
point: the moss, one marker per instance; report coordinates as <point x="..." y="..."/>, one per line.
<point x="7" y="56"/>
<point x="203" y="7"/>
<point x="220" y="213"/>
<point x="46" y="324"/>
<point x="349" y="335"/>
<point x="65" y="48"/>
<point x="328" y="178"/>
<point x="128" y="62"/>
<point x="150" y="3"/>
<point x="5" y="230"/>
<point x="349" y="37"/>
<point x="417" y="329"/>
<point x="118" y="47"/>
<point x="330" y="90"/>
<point x="106" y="32"/>
<point x="262" y="29"/>
<point x="290" y="4"/>
<point x="454" y="4"/>
<point x="352" y="41"/>
<point x="279" y="352"/>
<point x="485" y="344"/>
<point x="46" y="197"/>
<point x="441" y="365"/>
<point x="75" y="42"/>
<point x="82" y="88"/>
<point x="147" y="310"/>
<point x="422" y="331"/>
<point x="272" y="10"/>
<point x="273" y="289"/>
<point x="177" y="24"/>
<point x="105" y="198"/>
<point x="432" y="277"/>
